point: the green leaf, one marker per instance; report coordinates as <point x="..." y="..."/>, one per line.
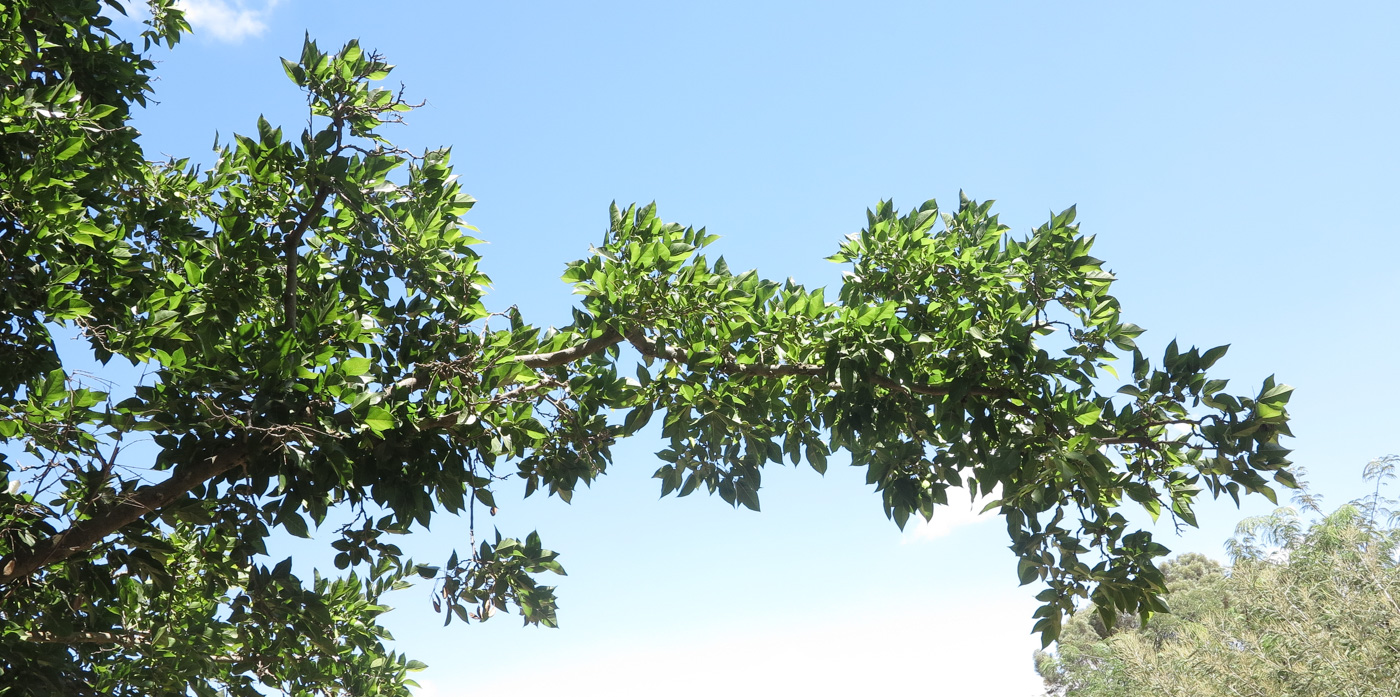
<point x="55" y="387"/>
<point x="67" y="148"/>
<point x="485" y="496"/>
<point x="1277" y="394"/>
<point x="294" y="72"/>
<point x="816" y="457"/>
<point x="1028" y="571"/>
<point x="1268" y="493"/>
<point x="637" y="418"/>
<point x="1213" y="355"/>
<point x="295" y="524"/>
<point x="355" y="366"/>
<point x="747" y="497"/>
<point x="67" y="275"/>
<point x="378" y="420"/>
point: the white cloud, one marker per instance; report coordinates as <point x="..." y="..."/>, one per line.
<point x="228" y="20"/>
<point x="961" y="511"/>
<point x="1178" y="430"/>
<point x="978" y="648"/>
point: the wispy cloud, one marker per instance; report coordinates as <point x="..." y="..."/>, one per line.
<point x="961" y="511"/>
<point x="228" y="20"/>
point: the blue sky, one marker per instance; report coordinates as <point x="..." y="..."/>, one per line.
<point x="1238" y="164"/>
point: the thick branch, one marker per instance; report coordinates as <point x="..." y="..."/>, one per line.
<point x="290" y="250"/>
<point x="550" y="359"/>
<point x="133" y="639"/>
<point x="647" y="347"/>
<point x="452" y="418"/>
<point x="1133" y="440"/>
<point x="80" y="638"/>
<point x="109" y="519"/>
<point x="554" y="359"/>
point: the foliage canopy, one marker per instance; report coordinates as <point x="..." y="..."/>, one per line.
<point x="311" y="314"/>
<point x="1307" y="608"/>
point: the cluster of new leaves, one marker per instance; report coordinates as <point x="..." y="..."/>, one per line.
<point x="1308" y="608"/>
<point x="309" y="313"/>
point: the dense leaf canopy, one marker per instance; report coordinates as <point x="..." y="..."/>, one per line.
<point x="311" y="316"/>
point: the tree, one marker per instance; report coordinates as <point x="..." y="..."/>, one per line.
<point x="313" y="320"/>
<point x="1304" y="610"/>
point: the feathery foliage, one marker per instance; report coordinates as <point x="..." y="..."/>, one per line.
<point x="1306" y="609"/>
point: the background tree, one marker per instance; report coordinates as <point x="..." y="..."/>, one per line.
<point x="1305" y="609"/>
<point x="311" y="316"/>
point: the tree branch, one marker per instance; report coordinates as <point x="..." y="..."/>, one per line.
<point x="291" y="245"/>
<point x="1143" y="441"/>
<point x="554" y="359"/>
<point x="131" y="640"/>
<point x="647" y="347"/>
<point x="109" y="519"/>
<point x="87" y="533"/>
<point x="80" y="638"/>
